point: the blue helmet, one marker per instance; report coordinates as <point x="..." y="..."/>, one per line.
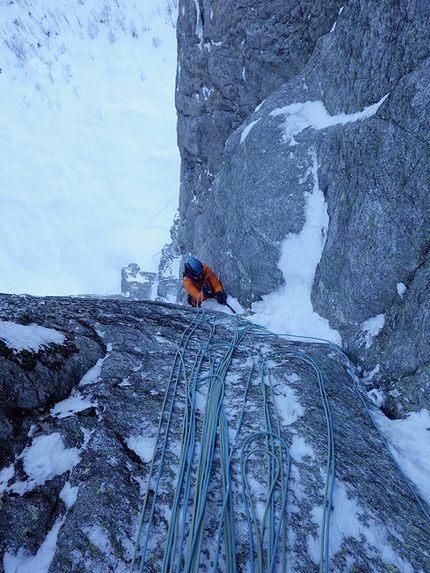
<point x="193" y="267"/>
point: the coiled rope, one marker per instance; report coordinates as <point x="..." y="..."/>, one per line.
<point x="265" y="447"/>
<point x="330" y="463"/>
<point x="264" y="332"/>
<point x="276" y="473"/>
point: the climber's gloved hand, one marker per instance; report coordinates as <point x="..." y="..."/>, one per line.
<point x="206" y="290"/>
<point x="221" y="297"/>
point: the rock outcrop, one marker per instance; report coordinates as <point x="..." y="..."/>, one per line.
<point x="232" y="55"/>
<point x="143" y="285"/>
<point x="77" y="470"/>
<point x="366" y="148"/>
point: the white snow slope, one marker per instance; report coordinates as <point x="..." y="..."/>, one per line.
<point x="90" y="166"/>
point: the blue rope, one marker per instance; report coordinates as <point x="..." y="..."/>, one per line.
<point x="365" y="406"/>
<point x="228" y="453"/>
<point x="172" y="386"/>
<point x="214" y="416"/>
<point x="252" y="519"/>
<point x="330" y="466"/>
<point x="181" y="556"/>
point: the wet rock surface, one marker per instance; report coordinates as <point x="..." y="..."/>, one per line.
<point x="90" y="497"/>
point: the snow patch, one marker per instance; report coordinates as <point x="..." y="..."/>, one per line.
<point x="401" y="289"/>
<point x="199" y="24"/>
<point x="72" y="405"/>
<point x="299" y="449"/>
<point x="288" y="406"/>
<point x="313" y="114"/>
<point x="368" y="376"/>
<point x="6" y="474"/>
<point x="23" y="562"/>
<point x="31" y="337"/>
<point x="377" y="396"/>
<point x="347" y="519"/>
<point x="69" y="494"/>
<point x="247" y="129"/>
<point x="142" y="446"/>
<point x="289" y="309"/>
<point x="371" y="328"/>
<point x="94" y="374"/>
<point x="207" y="92"/>
<point x="44" y="459"/>
<point x="409" y="441"/>
<point x="98" y="537"/>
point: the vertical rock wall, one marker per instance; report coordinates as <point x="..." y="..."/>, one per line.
<point x="231" y="55"/>
<point x="374" y="171"/>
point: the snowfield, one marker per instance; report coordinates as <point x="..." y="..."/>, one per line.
<point x="90" y="172"/>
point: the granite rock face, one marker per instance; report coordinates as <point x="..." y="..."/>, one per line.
<point x="366" y="148"/>
<point x="32" y="381"/>
<point x="76" y="471"/>
<point x="232" y="55"/>
<point x="400" y="352"/>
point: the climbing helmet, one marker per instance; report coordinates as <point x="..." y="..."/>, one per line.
<point x="194" y="267"/>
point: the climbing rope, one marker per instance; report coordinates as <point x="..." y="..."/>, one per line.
<point x="178" y="523"/>
<point x="186" y="527"/>
<point x="330" y="462"/>
<point x="276" y="474"/>
<point x="350" y="369"/>
<point x="210" y="447"/>
<point x="170" y="390"/>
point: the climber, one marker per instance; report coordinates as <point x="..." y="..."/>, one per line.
<point x="201" y="283"/>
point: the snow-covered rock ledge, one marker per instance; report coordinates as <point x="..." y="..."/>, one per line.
<point x="76" y="465"/>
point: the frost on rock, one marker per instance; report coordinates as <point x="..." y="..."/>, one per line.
<point x="77" y="475"/>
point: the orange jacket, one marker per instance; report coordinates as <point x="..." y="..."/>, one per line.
<point x="193" y="286"/>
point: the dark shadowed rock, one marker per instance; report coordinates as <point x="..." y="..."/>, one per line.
<point x="31" y="382"/>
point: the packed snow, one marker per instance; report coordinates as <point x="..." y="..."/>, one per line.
<point x="72" y="405"/>
<point x="410" y="445"/>
<point x="142" y="446"/>
<point x="289" y="309"/>
<point x="93" y="375"/>
<point x="69" y="494"/>
<point x="22" y="562"/>
<point x="371" y="328"/>
<point x="45" y="458"/>
<point x="32" y="337"/>
<point x="299" y="116"/>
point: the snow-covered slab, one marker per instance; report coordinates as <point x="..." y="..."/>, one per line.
<point x="31" y="337"/>
<point x="71" y="405"/>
